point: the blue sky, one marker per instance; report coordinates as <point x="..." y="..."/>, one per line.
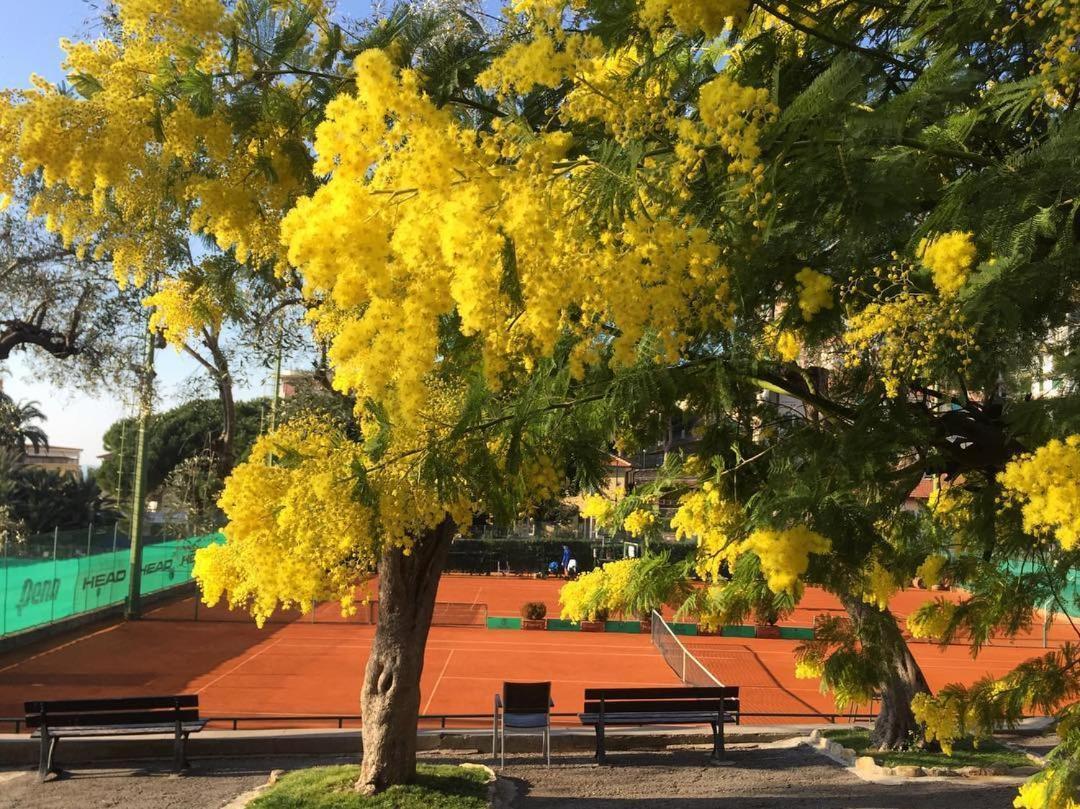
<point x="29" y="40"/>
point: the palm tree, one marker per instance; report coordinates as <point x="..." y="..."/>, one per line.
<point x="17" y="427"/>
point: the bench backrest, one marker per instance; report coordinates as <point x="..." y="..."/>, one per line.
<point x="112" y="712"/>
<point x="722" y="699"/>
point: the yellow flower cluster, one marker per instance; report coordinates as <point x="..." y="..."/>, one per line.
<point x="932" y="619"/>
<point x="940" y="718"/>
<point x="815" y="292"/>
<point x="297" y="532"/>
<point x="1046" y="484"/>
<point x="1037" y="793"/>
<point x="692" y="17"/>
<point x="639" y="522"/>
<point x="542" y="480"/>
<point x="621" y="89"/>
<point x="544" y="60"/>
<point x="603" y="590"/>
<point x="417" y="220"/>
<point x="713" y="520"/>
<point x="733" y="116"/>
<point x="121" y="187"/>
<point x="950" y="506"/>
<point x="879" y="585"/>
<point x="949" y="257"/>
<point x="196" y="17"/>
<point x="809" y="668"/>
<point x="930" y="570"/>
<point x="785" y="343"/>
<point x="910" y="336"/>
<point x="1058" y="62"/>
<point x="181" y="309"/>
<point x="599" y="508"/>
<point x="785" y="555"/>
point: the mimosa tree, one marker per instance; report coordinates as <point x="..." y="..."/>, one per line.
<point x="520" y="241"/>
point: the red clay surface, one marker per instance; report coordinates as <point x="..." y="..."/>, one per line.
<point x="299" y="668"/>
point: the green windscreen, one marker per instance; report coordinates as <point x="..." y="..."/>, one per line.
<point x="35" y="592"/>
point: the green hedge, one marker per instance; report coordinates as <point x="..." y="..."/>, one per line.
<point x="521" y="555"/>
<point x="527" y="555"/>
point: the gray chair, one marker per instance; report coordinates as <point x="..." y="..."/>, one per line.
<point x="522" y="708"/>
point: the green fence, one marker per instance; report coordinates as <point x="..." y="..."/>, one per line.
<point x="36" y="592"/>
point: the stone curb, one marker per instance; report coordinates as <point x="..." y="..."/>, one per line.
<point x="866" y="768"/>
<point x="22" y="751"/>
<point x="240" y="801"/>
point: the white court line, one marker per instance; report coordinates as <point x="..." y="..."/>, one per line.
<point x="243" y="662"/>
<point x="435" y="687"/>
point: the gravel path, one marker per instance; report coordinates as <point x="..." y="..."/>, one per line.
<point x="152" y="787"/>
<point x="758" y="778"/>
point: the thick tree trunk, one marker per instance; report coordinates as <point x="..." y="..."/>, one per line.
<point x="390" y="701"/>
<point x="902" y="678"/>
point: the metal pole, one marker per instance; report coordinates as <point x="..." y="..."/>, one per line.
<point x="132" y="610"/>
<point x="89" y="537"/>
<point x="277" y="377"/>
<point x="3" y="602"/>
<point x="55" y="541"/>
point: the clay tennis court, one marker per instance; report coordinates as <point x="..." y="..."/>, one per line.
<point x="297" y="668"/>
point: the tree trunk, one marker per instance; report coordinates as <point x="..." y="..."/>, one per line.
<point x="390" y="701"/>
<point x="222" y="376"/>
<point x="901" y="677"/>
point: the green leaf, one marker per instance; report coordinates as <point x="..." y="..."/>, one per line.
<point x="85" y="85"/>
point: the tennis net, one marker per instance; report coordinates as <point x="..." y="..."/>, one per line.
<point x="687" y="667"/>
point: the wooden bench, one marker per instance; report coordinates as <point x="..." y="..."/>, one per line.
<point x="712" y="706"/>
<point x="133" y="716"/>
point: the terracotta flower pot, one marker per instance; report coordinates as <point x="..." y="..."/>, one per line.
<point x="645" y="626"/>
<point x="592" y="626"/>
<point x="534" y="624"/>
<point x="708" y="631"/>
<point x="766" y="631"/>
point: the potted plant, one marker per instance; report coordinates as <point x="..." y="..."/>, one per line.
<point x="595" y="621"/>
<point x="534" y="615"/>
<point x="768" y="608"/>
<point x="645" y="622"/>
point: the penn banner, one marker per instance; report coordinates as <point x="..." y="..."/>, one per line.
<point x="49" y="590"/>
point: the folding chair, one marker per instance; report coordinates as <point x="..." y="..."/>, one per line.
<point x="522" y="707"/>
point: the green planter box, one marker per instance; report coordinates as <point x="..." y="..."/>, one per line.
<point x="495" y="622"/>
<point x="559" y="625"/>
<point x="623" y="626"/>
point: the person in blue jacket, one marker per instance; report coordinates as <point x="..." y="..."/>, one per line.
<point x="565" y="558"/>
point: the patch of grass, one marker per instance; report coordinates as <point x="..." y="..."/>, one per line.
<point x="436" y="787"/>
<point x="989" y="753"/>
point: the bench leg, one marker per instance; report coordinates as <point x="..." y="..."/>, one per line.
<point x="601" y="754"/>
<point x="178" y="752"/>
<point x="718" y="741"/>
<point x="48" y="750"/>
<point x="43" y="755"/>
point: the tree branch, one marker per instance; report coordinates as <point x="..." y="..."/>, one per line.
<point x="832" y="39"/>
